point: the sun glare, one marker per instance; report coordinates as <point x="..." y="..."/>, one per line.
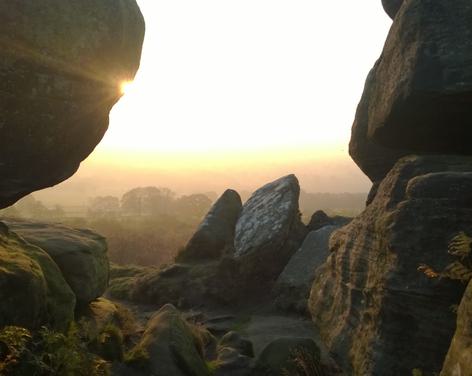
<point x="125" y="87"/>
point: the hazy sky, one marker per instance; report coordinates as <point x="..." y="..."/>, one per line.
<point x="245" y="88"/>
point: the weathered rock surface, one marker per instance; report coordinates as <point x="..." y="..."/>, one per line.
<point x="278" y="357"/>
<point x="269" y="230"/>
<point x="374" y="310"/>
<point x="171" y="346"/>
<point x="459" y="358"/>
<point x="61" y="66"/>
<point x="293" y="286"/>
<point x="33" y="291"/>
<point x="423" y="82"/>
<point x="392" y="7"/>
<point x="80" y="254"/>
<point x="232" y="363"/>
<point x="215" y="235"/>
<point x="373" y="159"/>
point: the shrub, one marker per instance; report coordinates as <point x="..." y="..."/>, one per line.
<point x="48" y="353"/>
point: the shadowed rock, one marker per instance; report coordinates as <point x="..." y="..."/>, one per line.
<point x="373" y="159"/>
<point x="375" y="311"/>
<point x="80" y="254"/>
<point x="61" y="66"/>
<point x="269" y="230"/>
<point x="392" y="7"/>
<point x="33" y="291"/>
<point x="422" y="94"/>
<point x="171" y="346"/>
<point x="459" y="357"/>
<point x="293" y="286"/>
<point x="215" y="235"/>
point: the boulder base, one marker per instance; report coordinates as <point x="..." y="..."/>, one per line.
<point x="375" y="311"/>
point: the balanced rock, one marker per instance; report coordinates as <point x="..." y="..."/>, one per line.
<point x="215" y="235"/>
<point x="80" y="254"/>
<point x="269" y="230"/>
<point x="293" y="286"/>
<point x="459" y="357"/>
<point x="171" y="346"/>
<point x="375" y="311"/>
<point x="423" y="82"/>
<point x="62" y="64"/>
<point x="33" y="291"/>
<point x="373" y="159"/>
<point x="392" y="7"/>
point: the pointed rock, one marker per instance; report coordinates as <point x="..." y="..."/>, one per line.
<point x="269" y="230"/>
<point x="215" y="235"/>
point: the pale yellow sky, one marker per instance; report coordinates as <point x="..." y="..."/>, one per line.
<point x="251" y="87"/>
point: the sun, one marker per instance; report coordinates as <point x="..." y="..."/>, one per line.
<point x="125" y="87"/>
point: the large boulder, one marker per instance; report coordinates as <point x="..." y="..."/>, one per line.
<point x="80" y="254"/>
<point x="423" y="84"/>
<point x="373" y="159"/>
<point x="215" y="235"/>
<point x="375" y="311"/>
<point x="269" y="230"/>
<point x="62" y="63"/>
<point x="459" y="358"/>
<point x="392" y="7"/>
<point x="33" y="291"/>
<point x="171" y="346"/>
<point x="293" y="286"/>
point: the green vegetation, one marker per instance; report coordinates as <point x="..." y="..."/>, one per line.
<point x="47" y="353"/>
<point x="461" y="247"/>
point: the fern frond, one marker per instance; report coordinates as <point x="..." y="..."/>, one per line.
<point x="428" y="271"/>
<point x="458" y="271"/>
<point x="460" y="245"/>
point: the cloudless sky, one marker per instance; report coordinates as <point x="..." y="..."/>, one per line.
<point x="241" y="84"/>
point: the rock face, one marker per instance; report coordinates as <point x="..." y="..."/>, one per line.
<point x="80" y="254"/>
<point x="374" y="160"/>
<point x="269" y="229"/>
<point x="459" y="358"/>
<point x="375" y="311"/>
<point x="61" y="66"/>
<point x="392" y="7"/>
<point x="33" y="291"/>
<point x="215" y="235"/>
<point x="423" y="83"/>
<point x="171" y="346"/>
<point x="293" y="286"/>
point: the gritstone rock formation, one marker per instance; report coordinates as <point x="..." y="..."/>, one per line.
<point x="33" y="291"/>
<point x="61" y="66"/>
<point x="459" y="357"/>
<point x="215" y="235"/>
<point x="294" y="283"/>
<point x="171" y="346"/>
<point x="80" y="254"/>
<point x="374" y="160"/>
<point x="422" y="91"/>
<point x="269" y="229"/>
<point x="374" y="309"/>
